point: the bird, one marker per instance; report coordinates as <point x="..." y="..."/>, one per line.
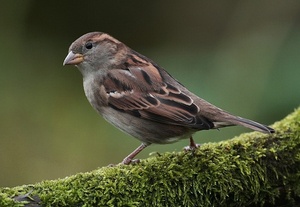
<point x="141" y="98"/>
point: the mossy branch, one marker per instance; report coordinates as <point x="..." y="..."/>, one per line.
<point x="250" y="170"/>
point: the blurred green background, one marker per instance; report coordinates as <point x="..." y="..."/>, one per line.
<point x="243" y="56"/>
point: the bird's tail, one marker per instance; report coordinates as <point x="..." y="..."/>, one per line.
<point x="251" y="124"/>
<point x="221" y="118"/>
<point x="224" y="119"/>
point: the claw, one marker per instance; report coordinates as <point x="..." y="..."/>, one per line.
<point x="129" y="159"/>
<point x="192" y="145"/>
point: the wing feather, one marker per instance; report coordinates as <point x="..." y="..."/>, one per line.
<point x="140" y="89"/>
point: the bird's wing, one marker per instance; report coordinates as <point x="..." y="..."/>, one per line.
<point x="140" y="89"/>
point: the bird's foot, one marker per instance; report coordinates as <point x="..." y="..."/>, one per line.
<point x="192" y="145"/>
<point x="128" y="161"/>
<point x="191" y="148"/>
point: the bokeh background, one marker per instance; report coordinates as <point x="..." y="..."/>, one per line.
<point x="243" y="56"/>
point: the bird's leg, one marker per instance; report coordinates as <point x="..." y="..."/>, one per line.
<point x="129" y="159"/>
<point x="192" y="145"/>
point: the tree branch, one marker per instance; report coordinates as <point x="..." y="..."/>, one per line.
<point x="253" y="169"/>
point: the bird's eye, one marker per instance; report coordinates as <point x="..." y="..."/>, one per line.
<point x="88" y="45"/>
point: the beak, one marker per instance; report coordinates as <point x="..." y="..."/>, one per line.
<point x="73" y="59"/>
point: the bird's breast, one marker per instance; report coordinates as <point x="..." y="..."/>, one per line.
<point x="95" y="93"/>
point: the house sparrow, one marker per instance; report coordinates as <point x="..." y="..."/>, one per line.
<point x="142" y="99"/>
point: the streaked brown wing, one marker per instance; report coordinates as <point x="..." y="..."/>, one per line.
<point x="141" y="91"/>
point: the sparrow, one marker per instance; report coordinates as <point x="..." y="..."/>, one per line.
<point x="140" y="98"/>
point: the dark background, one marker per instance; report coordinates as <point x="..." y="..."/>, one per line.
<point x="243" y="56"/>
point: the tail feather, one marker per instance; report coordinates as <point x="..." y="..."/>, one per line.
<point x="221" y="118"/>
<point x="252" y="125"/>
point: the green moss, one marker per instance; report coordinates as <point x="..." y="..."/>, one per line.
<point x="252" y="169"/>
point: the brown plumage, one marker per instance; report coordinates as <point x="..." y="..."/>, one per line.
<point x="139" y="97"/>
